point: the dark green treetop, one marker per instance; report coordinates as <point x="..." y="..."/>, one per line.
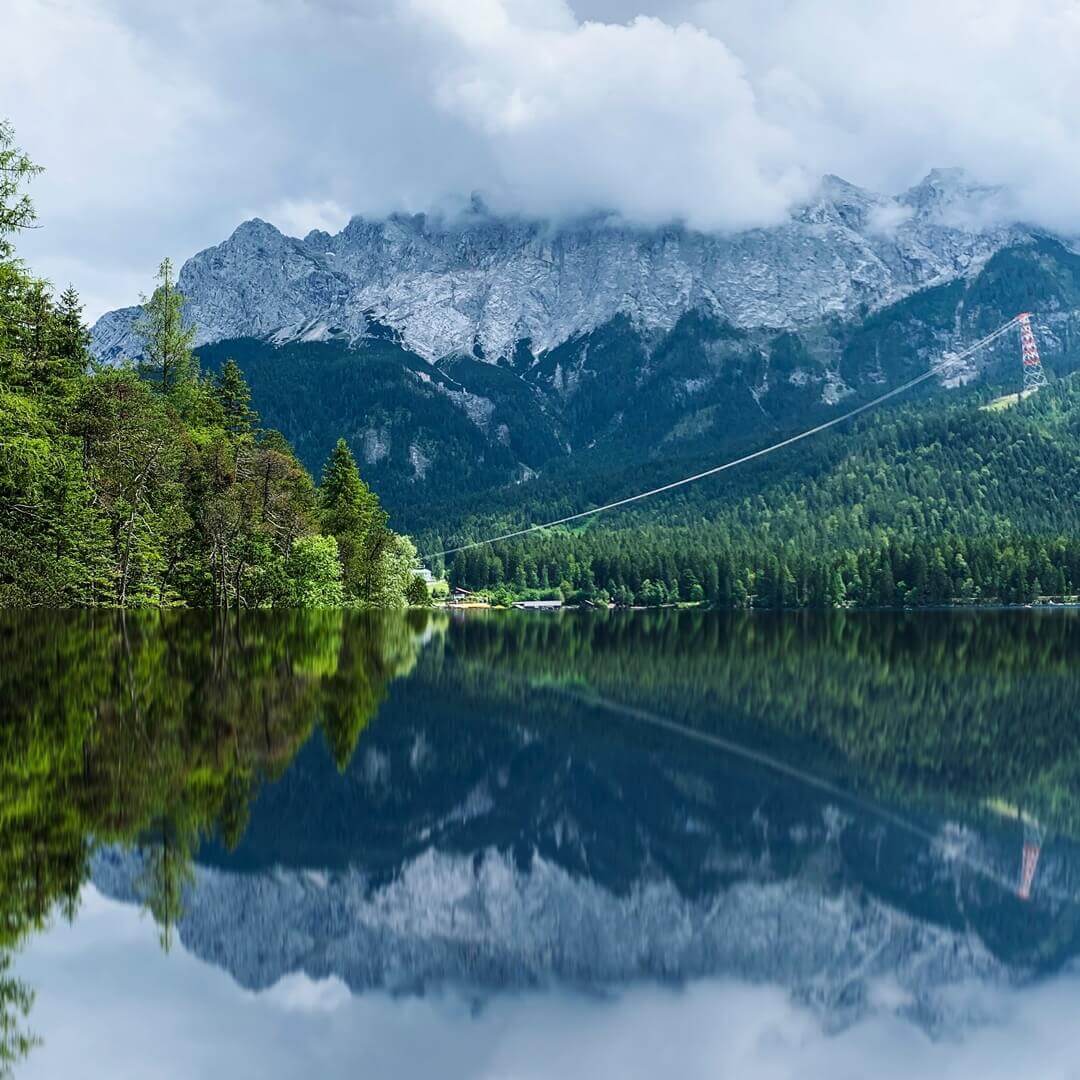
<point x="233" y="393"/>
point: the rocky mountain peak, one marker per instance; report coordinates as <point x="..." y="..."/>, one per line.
<point x="475" y="282"/>
<point x="842" y="203"/>
<point x="953" y="198"/>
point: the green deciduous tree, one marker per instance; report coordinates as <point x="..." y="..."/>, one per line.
<point x="417" y="594"/>
<point x="313" y="570"/>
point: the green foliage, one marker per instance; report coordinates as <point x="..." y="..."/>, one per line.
<point x="313" y="570"/>
<point x="148" y="485"/>
<point x="922" y="506"/>
<point x="166" y="339"/>
<point x="16" y="209"/>
<point x="394" y="571"/>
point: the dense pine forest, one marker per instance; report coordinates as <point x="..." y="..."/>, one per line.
<point x="154" y="484"/>
<point x="927" y="504"/>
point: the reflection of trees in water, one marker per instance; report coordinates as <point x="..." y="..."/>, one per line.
<point x="16" y="999"/>
<point x="157" y="729"/>
<point x="167" y="871"/>
<point x="975" y="708"/>
<point x="962" y="718"/>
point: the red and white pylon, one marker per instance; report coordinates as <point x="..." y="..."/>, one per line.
<point x="1029" y="857"/>
<point x="1034" y="376"/>
<point x="1029" y="863"/>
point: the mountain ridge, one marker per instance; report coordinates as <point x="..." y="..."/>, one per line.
<point x="476" y="283"/>
<point x="460" y="356"/>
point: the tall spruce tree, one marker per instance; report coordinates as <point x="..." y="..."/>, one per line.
<point x="71" y="339"/>
<point x="350" y="511"/>
<point x="234" y="396"/>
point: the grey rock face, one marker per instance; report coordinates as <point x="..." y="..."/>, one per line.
<point x="483" y="283"/>
<point x="481" y="923"/>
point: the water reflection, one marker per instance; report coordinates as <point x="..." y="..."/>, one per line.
<point x="867" y="812"/>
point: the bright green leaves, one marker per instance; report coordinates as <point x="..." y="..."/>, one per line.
<point x="314" y="573"/>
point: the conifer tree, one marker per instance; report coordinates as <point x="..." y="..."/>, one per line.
<point x="350" y="511"/>
<point x="166" y="340"/>
<point x="71" y="339"/>
<point x="234" y="395"/>
<point x="16" y="210"/>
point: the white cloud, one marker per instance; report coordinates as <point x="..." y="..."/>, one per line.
<point x="111" y="1004"/>
<point x="655" y="121"/>
<point x="297" y="217"/>
<point x="883" y="92"/>
<point x="300" y="993"/>
<point x="163" y="126"/>
<point x="887" y="218"/>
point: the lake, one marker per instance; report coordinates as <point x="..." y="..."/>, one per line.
<point x="517" y="845"/>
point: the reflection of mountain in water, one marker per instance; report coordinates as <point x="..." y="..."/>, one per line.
<point x="495" y="838"/>
<point x="482" y="922"/>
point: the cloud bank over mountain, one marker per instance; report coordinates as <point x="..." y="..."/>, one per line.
<point x="161" y="129"/>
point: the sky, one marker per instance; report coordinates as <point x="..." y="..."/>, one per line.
<point x="111" y="1004"/>
<point x="162" y="126"/>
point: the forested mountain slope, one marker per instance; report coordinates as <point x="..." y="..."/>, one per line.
<point x="922" y="504"/>
<point x="488" y="374"/>
<point x="620" y="399"/>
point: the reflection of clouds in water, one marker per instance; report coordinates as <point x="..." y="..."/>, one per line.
<point x="300" y="993"/>
<point x="421" y="756"/>
<point x="110" y="1004"/>
<point x="376" y="770"/>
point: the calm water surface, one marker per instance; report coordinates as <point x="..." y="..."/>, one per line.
<point x="528" y="845"/>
